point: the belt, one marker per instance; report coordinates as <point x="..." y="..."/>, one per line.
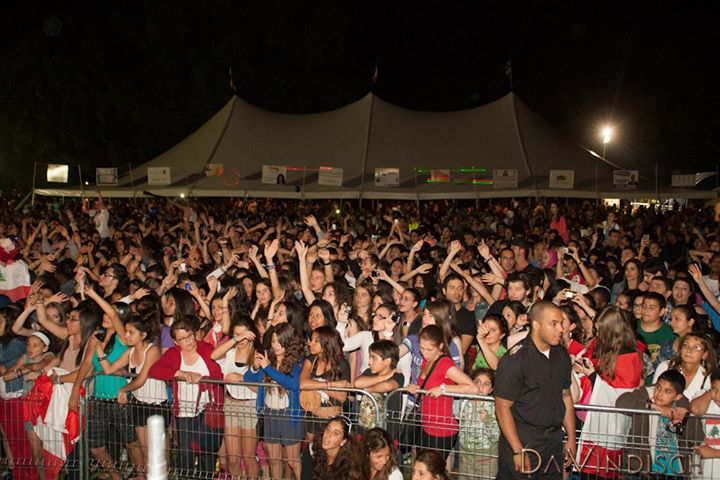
<point x="549" y="430"/>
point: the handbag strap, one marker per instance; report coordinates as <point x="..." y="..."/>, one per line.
<point x="427" y="377"/>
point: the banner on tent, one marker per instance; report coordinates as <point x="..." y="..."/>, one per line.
<point x="214" y="170"/>
<point x="330" y="176"/>
<point x="562" y="179"/>
<point x="505" y="178"/>
<point x="439" y="176"/>
<point x="57" y="173"/>
<point x="625" y="179"/>
<point x="158" y="175"/>
<point x="387" y="177"/>
<point x="106" y="176"/>
<point x="274" y="174"/>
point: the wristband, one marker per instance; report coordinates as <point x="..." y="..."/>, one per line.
<point x="327" y="263"/>
<point x="517" y="453"/>
<point x="270" y="266"/>
<point x="102" y="357"/>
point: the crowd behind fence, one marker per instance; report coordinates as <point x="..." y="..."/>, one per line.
<point x="621" y="443"/>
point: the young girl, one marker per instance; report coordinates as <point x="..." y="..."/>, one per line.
<point x="280" y="400"/>
<point x="490" y="336"/>
<point x="148" y="396"/>
<point x="709" y="404"/>
<point x="479" y="433"/>
<point x="236" y="357"/>
<point x="380" y="456"/>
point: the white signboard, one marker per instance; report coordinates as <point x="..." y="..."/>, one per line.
<point x="387" y="177"/>
<point x="158" y="176"/>
<point x="330" y="176"/>
<point x="214" y="170"/>
<point x="57" y="173"/>
<point x="505" y="178"/>
<point x="106" y="176"/>
<point x="625" y="178"/>
<point x="562" y="179"/>
<point x="274" y="174"/>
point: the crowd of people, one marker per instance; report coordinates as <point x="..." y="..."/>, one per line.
<point x="286" y="307"/>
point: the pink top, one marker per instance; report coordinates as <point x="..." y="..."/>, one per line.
<point x="437" y="415"/>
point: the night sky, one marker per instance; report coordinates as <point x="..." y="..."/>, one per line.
<point x="121" y="82"/>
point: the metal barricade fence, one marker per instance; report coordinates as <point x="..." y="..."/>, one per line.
<point x="33" y="443"/>
<point x="243" y="441"/>
<point x="611" y="442"/>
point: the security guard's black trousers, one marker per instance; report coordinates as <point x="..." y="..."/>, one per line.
<point x="544" y="448"/>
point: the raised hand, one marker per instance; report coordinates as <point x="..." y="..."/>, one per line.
<point x="271" y="249"/>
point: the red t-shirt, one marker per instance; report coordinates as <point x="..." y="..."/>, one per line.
<point x="437" y="416"/>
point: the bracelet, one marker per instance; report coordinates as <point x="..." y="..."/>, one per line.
<point x="327" y="263"/>
<point x="517" y="453"/>
<point x="270" y="266"/>
<point x="58" y="380"/>
<point x="18" y="373"/>
<point x="102" y="357"/>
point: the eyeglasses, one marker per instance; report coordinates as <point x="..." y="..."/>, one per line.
<point x="692" y="348"/>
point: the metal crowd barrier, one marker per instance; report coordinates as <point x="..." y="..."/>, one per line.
<point x="612" y="443"/>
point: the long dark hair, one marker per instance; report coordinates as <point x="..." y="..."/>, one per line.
<point x="293" y="348"/>
<point x="331" y="344"/>
<point x="376" y="439"/>
<point x="90" y="319"/>
<point x="327" y="311"/>
<point x="347" y="464"/>
<point x="9" y="314"/>
<point x="614" y="335"/>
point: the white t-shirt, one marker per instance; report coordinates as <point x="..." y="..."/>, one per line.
<point x="188" y="393"/>
<point x="713" y="285"/>
<point x="101" y="223"/>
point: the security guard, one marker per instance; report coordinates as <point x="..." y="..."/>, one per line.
<point x="533" y="401"/>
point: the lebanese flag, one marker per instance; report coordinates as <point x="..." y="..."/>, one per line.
<point x="14" y="274"/>
<point x="604" y="434"/>
<point x="46" y="407"/>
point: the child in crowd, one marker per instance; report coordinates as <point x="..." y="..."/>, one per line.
<point x="661" y="445"/>
<point x="479" y="433"/>
<point x="382" y="377"/>
<point x="709" y="404"/>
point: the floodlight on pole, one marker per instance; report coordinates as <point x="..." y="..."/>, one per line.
<point x="606" y="133"/>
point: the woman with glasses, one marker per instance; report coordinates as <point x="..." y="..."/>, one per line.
<point x="191" y="360"/>
<point x="695" y="360"/>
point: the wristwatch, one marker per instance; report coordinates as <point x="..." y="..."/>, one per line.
<point x="442" y="388"/>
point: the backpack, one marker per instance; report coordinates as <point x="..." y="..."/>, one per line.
<point x="366" y="415"/>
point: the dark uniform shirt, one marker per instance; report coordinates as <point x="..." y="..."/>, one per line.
<point x="534" y="383"/>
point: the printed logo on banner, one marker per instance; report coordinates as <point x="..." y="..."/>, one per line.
<point x="505" y="178"/>
<point x="330" y="176"/>
<point x="214" y="170"/>
<point x="274" y="174"/>
<point x="106" y="176"/>
<point x="625" y="179"/>
<point x="57" y="173"/>
<point x="561" y="179"/>
<point x="158" y="175"/>
<point x="387" y="177"/>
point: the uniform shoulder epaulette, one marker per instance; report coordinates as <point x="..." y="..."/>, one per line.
<point x="515" y="349"/>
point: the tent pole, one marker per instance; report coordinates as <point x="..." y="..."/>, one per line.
<point x="656" y="180"/>
<point x="82" y="187"/>
<point x="597" y="185"/>
<point x="33" y="189"/>
<point x="132" y="182"/>
<point x="367" y="147"/>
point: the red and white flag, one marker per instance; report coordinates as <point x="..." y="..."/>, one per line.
<point x="14" y="274"/>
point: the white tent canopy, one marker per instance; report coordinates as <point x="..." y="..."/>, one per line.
<point x="372" y="133"/>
